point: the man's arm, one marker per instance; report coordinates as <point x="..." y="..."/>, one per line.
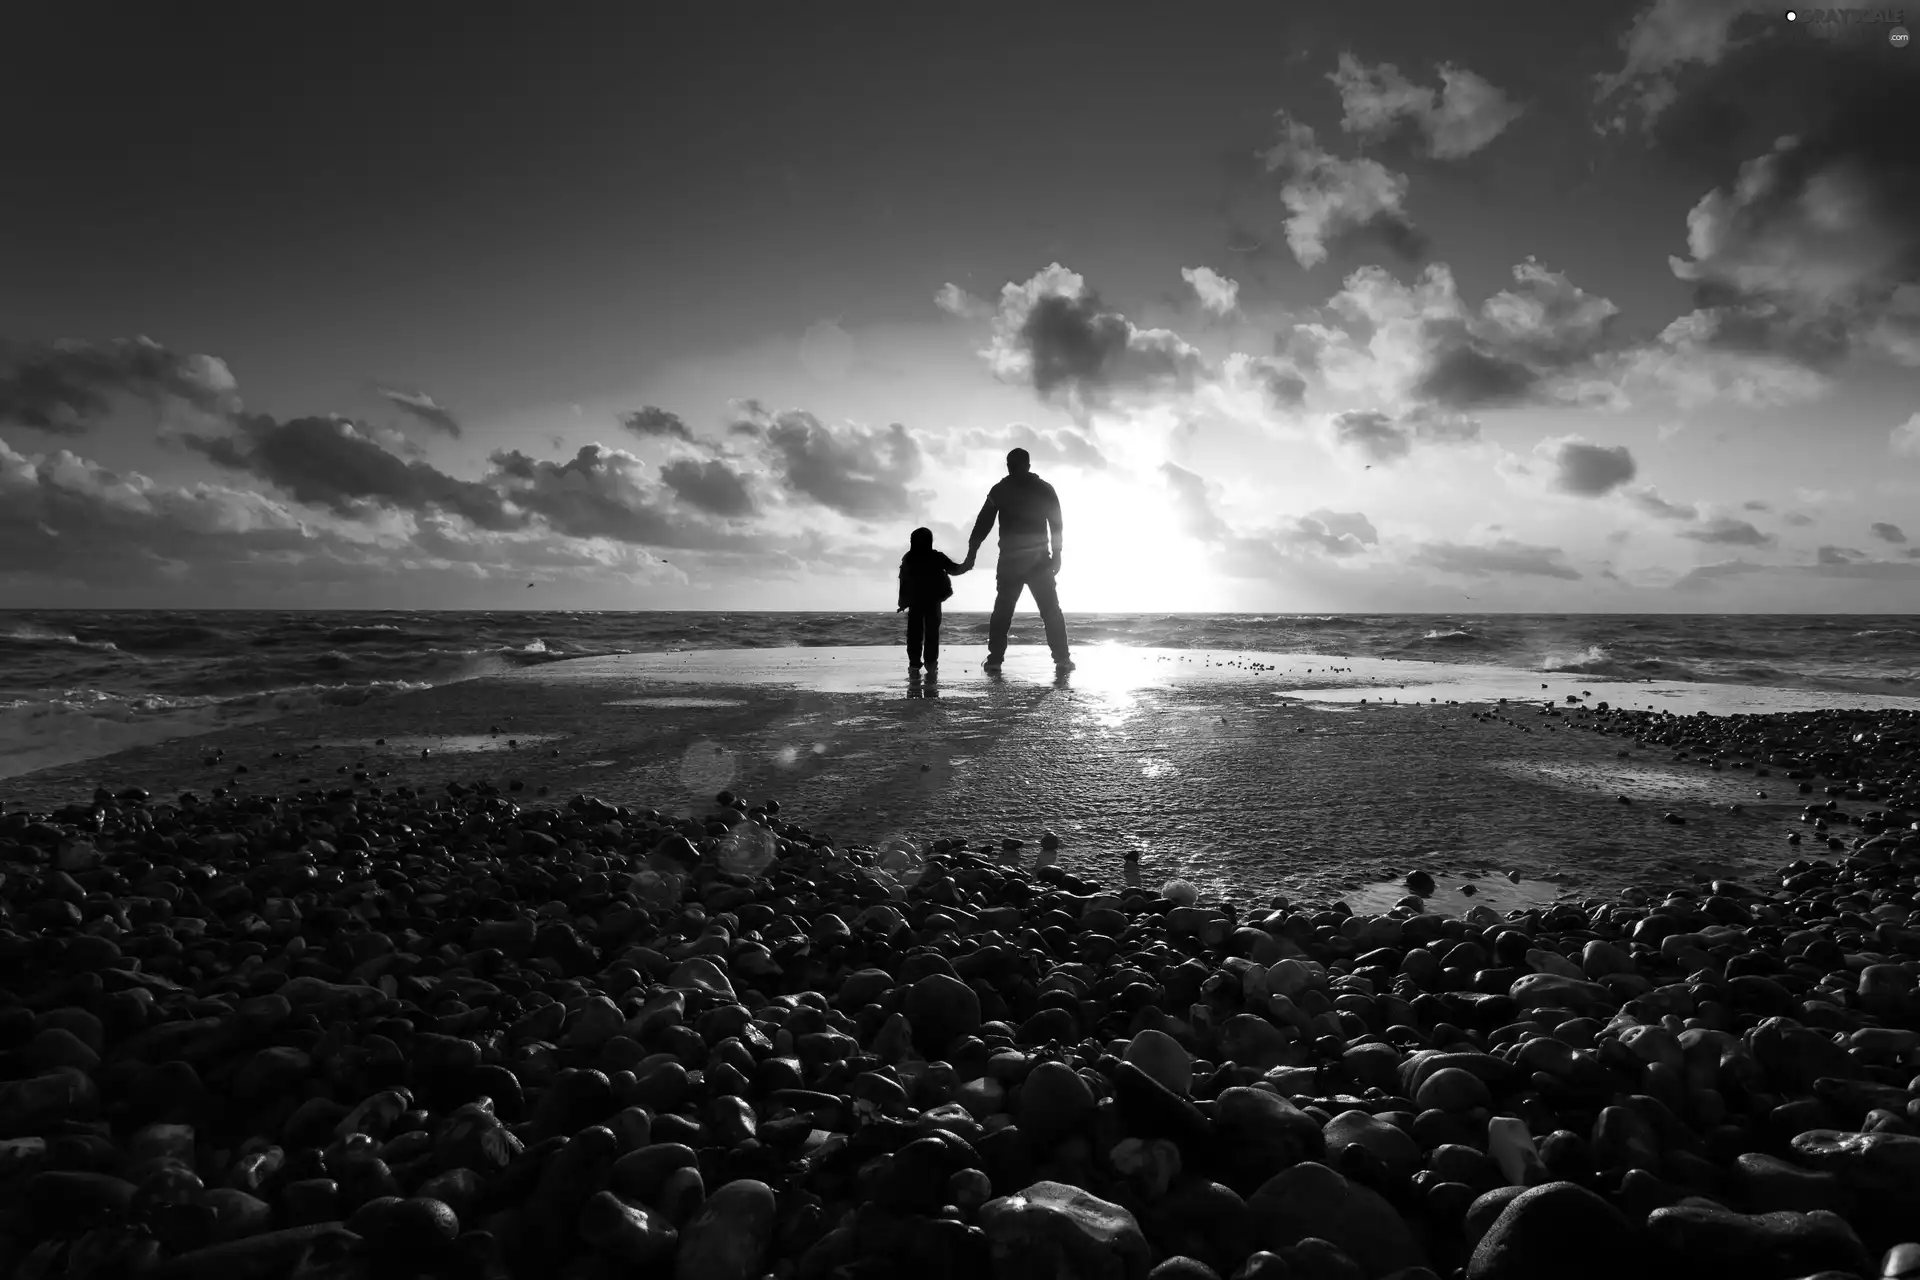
<point x="983" y="524"/>
<point x="1056" y="525"/>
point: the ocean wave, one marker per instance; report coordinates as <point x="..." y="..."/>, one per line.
<point x="33" y="637"/>
<point x="1456" y="635"/>
<point x="352" y="635"/>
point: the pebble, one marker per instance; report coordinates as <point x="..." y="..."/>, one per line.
<point x="369" y="1035"/>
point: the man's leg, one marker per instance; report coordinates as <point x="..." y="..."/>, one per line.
<point x="1006" y="596"/>
<point x="1046" y="598"/>
<point x="932" y="638"/>
<point x="916" y="633"/>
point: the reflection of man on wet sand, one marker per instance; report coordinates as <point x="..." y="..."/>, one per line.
<point x="1029" y="513"/>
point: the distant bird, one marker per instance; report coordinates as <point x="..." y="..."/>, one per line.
<point x="529" y="586"/>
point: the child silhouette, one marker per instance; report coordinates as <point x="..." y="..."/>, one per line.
<point x="925" y="581"/>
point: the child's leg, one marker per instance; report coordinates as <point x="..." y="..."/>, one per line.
<point x="916" y="633"/>
<point x="933" y="635"/>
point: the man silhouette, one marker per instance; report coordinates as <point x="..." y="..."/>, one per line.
<point x="1029" y="513"/>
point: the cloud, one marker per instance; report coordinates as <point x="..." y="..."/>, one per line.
<point x="1904" y="439"/>
<point x="1718" y="354"/>
<point x="1649" y="500"/>
<point x="1277" y="379"/>
<point x="1796" y="519"/>
<point x="329" y="462"/>
<point x="956" y="301"/>
<point x="1728" y="531"/>
<point x="1216" y="292"/>
<point x="1504" y="556"/>
<point x="1533" y="341"/>
<point x="710" y="485"/>
<point x="423" y="407"/>
<point x="1385" y="439"/>
<point x="602" y="493"/>
<point x="1331" y="201"/>
<point x="66" y="387"/>
<point x="857" y="471"/>
<point x="1755" y="504"/>
<point x="71" y="519"/>
<point x="1812" y="253"/>
<point x="1831" y="555"/>
<point x="1372" y="434"/>
<point x="1335" y="534"/>
<point x="650" y="421"/>
<point x="1461" y="117"/>
<point x="1708" y="574"/>
<point x="1587" y="469"/>
<point x="1062" y="445"/>
<point x="1055" y="334"/>
<point x="1668" y="37"/>
<point x="1887" y="532"/>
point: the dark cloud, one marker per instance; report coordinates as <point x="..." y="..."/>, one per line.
<point x="711" y="486"/>
<point x="1464" y="115"/>
<point x="601" y="493"/>
<point x="67" y="387"/>
<point x="860" y="472"/>
<point x="1462" y="377"/>
<point x="1587" y="469"/>
<point x="1888" y="532"/>
<point x="72" y="520"/>
<point x="424" y="407"/>
<point x="1506" y="556"/>
<point x="1796" y="519"/>
<point x="655" y="422"/>
<point x="1813" y="253"/>
<point x="329" y="462"/>
<point x="1536" y="340"/>
<point x="1373" y="435"/>
<point x="1385" y="439"/>
<point x="1282" y="383"/>
<point x="1055" y="334"/>
<point x="1729" y="532"/>
<point x="1754" y="504"/>
<point x="1831" y="555"/>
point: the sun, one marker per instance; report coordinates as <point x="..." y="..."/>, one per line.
<point x="1126" y="551"/>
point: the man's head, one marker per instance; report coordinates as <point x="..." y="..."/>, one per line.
<point x="1018" y="463"/>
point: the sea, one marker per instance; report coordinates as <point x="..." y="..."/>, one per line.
<point x="75" y="684"/>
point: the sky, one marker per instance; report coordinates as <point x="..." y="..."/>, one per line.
<point x="1314" y="307"/>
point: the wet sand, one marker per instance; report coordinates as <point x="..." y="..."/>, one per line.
<point x="1245" y="774"/>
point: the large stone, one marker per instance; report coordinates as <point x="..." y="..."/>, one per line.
<point x="1395" y="1148"/>
<point x="1059" y="1232"/>
<point x="1312" y="1201"/>
<point x="1263" y="1134"/>
<point x="730" y="1237"/>
<point x="1759" y="1246"/>
<point x="1559" y="1229"/>
<point x="1160" y="1056"/>
<point x="1863" y="1161"/>
<point x="942" y="1009"/>
<point x="1053" y="1102"/>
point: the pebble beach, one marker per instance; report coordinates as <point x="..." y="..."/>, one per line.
<point x="381" y="1027"/>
